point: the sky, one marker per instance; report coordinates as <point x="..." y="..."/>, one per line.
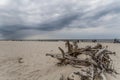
<point x="59" y="19"/>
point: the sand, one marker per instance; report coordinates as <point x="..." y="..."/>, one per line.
<point x="35" y="65"/>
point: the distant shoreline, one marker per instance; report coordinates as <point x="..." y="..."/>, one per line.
<point x="81" y="40"/>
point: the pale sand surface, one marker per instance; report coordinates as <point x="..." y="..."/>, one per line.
<point x="36" y="65"/>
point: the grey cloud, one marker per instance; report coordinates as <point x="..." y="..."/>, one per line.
<point x="59" y="23"/>
<point x="40" y="15"/>
<point x="12" y="31"/>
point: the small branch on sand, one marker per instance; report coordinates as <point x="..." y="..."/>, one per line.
<point x="62" y="77"/>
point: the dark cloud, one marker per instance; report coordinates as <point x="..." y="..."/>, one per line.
<point x="12" y="31"/>
<point x="18" y="18"/>
<point x="58" y="24"/>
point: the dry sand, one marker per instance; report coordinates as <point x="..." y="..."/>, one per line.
<point x="37" y="66"/>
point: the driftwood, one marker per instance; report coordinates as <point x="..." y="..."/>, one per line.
<point x="62" y="77"/>
<point x="99" y="60"/>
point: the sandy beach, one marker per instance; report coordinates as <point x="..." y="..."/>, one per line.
<point x="35" y="65"/>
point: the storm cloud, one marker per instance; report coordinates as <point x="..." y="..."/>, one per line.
<point x="39" y="19"/>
